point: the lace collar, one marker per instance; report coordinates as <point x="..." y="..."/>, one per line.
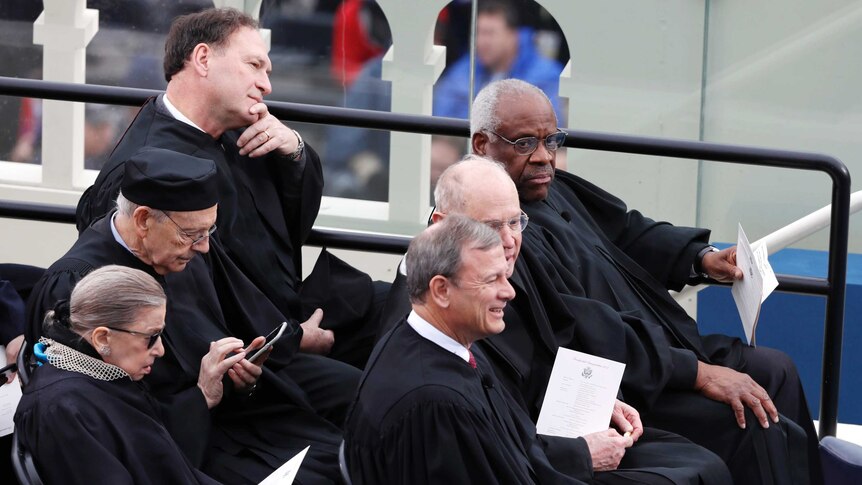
<point x="67" y="358"/>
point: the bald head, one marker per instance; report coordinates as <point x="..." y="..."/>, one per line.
<point x="480" y="189"/>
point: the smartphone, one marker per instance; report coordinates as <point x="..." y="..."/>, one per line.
<point x="6" y="372"/>
<point x="270" y="339"/>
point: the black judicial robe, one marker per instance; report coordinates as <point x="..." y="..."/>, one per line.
<point x="588" y="269"/>
<point x="86" y="431"/>
<point x="423" y="415"/>
<point x="243" y="438"/>
<point x="267" y="207"/>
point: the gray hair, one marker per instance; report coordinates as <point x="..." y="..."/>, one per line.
<point x="110" y="296"/>
<point x="449" y="195"/>
<point x="127" y="208"/>
<point x="438" y="249"/>
<point x="483" y="115"/>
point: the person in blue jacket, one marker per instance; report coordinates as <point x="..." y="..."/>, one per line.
<point x="503" y="50"/>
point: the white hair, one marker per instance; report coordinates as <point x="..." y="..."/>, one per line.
<point x="127" y="208"/>
<point x="483" y="115"/>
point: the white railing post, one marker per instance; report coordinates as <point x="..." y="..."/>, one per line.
<point x="64" y="29"/>
<point x="412" y="64"/>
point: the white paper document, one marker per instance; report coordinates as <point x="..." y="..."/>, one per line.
<point x="10" y="394"/>
<point x="757" y="283"/>
<point x="581" y="395"/>
<point x="285" y="474"/>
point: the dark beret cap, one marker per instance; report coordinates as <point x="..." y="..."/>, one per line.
<point x="169" y="180"/>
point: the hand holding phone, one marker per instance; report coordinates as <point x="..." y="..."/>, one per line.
<point x="270" y="340"/>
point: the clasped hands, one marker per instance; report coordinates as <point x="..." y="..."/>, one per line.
<point x="608" y="447"/>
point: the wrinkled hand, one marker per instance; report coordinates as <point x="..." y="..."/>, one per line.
<point x="607" y="449"/>
<point x="316" y="340"/>
<point x="12" y="354"/>
<point x="266" y="134"/>
<point x="627" y="420"/>
<point x="214" y="365"/>
<point x="721" y="266"/>
<point x="244" y="374"/>
<point x="736" y="389"/>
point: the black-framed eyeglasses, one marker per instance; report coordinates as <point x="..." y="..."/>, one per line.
<point x="189" y="237"/>
<point x="528" y="144"/>
<point x="516" y="224"/>
<point x="152" y="337"/>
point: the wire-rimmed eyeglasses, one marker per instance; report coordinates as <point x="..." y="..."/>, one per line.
<point x="516" y="224"/>
<point x="189" y="237"/>
<point x="528" y="144"/>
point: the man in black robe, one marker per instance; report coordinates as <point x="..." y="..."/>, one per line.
<point x="430" y="409"/>
<point x="591" y="265"/>
<point x="270" y="412"/>
<point x="270" y="181"/>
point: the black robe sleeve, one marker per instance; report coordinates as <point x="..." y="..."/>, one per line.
<point x="551" y="310"/>
<point x="442" y="441"/>
<point x="666" y="251"/>
<point x="77" y="445"/>
<point x="11" y="313"/>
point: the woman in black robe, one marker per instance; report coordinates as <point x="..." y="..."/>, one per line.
<point x="85" y="414"/>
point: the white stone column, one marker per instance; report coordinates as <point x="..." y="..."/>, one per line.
<point x="412" y="64"/>
<point x="64" y="29"/>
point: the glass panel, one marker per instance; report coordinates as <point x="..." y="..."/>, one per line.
<point x="19" y="119"/>
<point x="514" y="39"/>
<point x="781" y="75"/>
<point x="517" y="39"/>
<point x="330" y="54"/>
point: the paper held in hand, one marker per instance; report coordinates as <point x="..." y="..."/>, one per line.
<point x="285" y="474"/>
<point x="757" y="283"/>
<point x="581" y="395"/>
<point x="10" y="394"/>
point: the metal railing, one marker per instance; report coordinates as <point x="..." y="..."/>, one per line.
<point x="832" y="287"/>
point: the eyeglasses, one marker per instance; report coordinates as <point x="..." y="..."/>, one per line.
<point x="152" y="338"/>
<point x="189" y="237"/>
<point x="516" y="224"/>
<point x="528" y="144"/>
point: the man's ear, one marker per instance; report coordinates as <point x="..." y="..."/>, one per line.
<point x="437" y="217"/>
<point x="438" y="291"/>
<point x="480" y="143"/>
<point x="200" y="59"/>
<point x="141" y="220"/>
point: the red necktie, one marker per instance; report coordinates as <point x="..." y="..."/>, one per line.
<point x="472" y="360"/>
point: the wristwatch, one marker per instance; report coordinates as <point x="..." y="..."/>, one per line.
<point x="299" y="147"/>
<point x="698" y="261"/>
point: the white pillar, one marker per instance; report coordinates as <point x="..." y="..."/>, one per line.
<point x="64" y="28"/>
<point x="412" y="64"/>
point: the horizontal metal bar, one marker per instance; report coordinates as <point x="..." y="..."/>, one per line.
<point x="805" y="285"/>
<point x="384" y="120"/>
<point x="684" y="149"/>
